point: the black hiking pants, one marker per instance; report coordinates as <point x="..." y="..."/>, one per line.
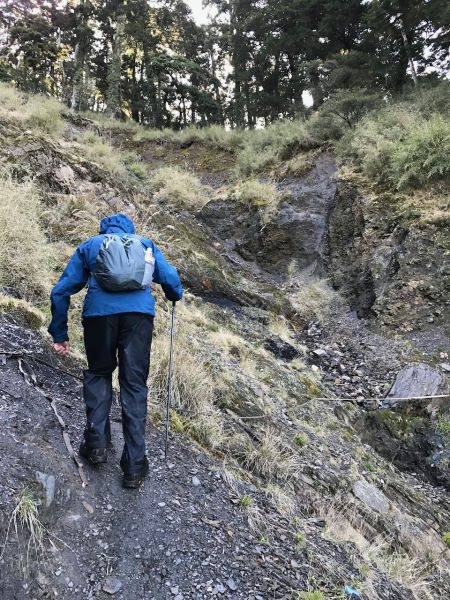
<point x="128" y="337"/>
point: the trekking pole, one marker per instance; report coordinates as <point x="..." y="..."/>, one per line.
<point x="170" y="382"/>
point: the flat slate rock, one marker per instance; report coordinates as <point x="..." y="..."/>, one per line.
<point x="371" y="496"/>
<point x="414" y="382"/>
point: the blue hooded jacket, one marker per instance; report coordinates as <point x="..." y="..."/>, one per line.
<point x="99" y="302"/>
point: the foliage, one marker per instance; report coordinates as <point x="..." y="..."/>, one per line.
<point x="262" y="149"/>
<point x="152" y="63"/>
<point x="245" y="501"/>
<point x="301" y="439"/>
<point x="179" y="187"/>
<point x="351" y="105"/>
<point x="446" y="538"/>
<point x="26" y="259"/>
<point x="402" y="144"/>
<point x="443" y="427"/>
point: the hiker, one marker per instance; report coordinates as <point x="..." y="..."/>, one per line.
<point x="117" y="324"/>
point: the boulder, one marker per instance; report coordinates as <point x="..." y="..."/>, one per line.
<point x="414" y="384"/>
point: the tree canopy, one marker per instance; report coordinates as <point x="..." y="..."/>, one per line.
<point x="252" y="62"/>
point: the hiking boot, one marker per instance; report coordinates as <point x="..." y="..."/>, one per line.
<point x="95" y="456"/>
<point x="134" y="480"/>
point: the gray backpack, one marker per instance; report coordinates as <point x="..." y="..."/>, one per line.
<point x="124" y="264"/>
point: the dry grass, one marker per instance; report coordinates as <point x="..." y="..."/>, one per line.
<point x="314" y="300"/>
<point x="398" y="565"/>
<point x="233" y="345"/>
<point x="26" y="259"/>
<point x="300" y="165"/>
<point x="281" y="327"/>
<point x="180" y="188"/>
<point x="26" y="515"/>
<point x="192" y="385"/>
<point x="208" y="432"/>
<point x="95" y="150"/>
<point x="31" y="111"/>
<point x="256" y="193"/>
<point x="270" y="458"/>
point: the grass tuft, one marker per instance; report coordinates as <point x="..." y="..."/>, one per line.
<point x="269" y="458"/>
<point x="314" y="300"/>
<point x="26" y="259"/>
<point x="179" y="187"/>
<point x="31" y="111"/>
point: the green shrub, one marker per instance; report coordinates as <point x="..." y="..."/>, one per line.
<point x="401" y="145"/>
<point x="301" y="439"/>
<point x="138" y="169"/>
<point x="424" y="154"/>
<point x="446" y="538"/>
<point x="264" y="148"/>
<point x="179" y="187"/>
<point x="443" y="427"/>
<point x="245" y="501"/>
<point x="351" y="105"/>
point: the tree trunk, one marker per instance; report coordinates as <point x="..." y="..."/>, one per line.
<point x="75" y="104"/>
<point x="408" y="52"/>
<point x="114" y="72"/>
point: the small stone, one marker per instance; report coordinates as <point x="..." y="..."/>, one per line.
<point x="319" y="352"/>
<point x="48" y="482"/>
<point x="111" y="585"/>
<point x="179" y="597"/>
<point x="314" y="368"/>
<point x="220" y="588"/>
<point x="174" y="590"/>
<point x="294" y="564"/>
<point x="88" y="507"/>
<point x="231" y="585"/>
<point x="445" y="366"/>
<point x="58" y="572"/>
<point x="161" y="504"/>
<point x="196" y="481"/>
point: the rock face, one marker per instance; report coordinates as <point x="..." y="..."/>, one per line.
<point x="295" y="232"/>
<point x="389" y="268"/>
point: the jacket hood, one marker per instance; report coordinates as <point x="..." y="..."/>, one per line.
<point x="117" y="224"/>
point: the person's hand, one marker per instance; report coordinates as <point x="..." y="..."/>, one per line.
<point x="63" y="348"/>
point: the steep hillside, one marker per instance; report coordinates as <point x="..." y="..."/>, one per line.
<point x="293" y="470"/>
